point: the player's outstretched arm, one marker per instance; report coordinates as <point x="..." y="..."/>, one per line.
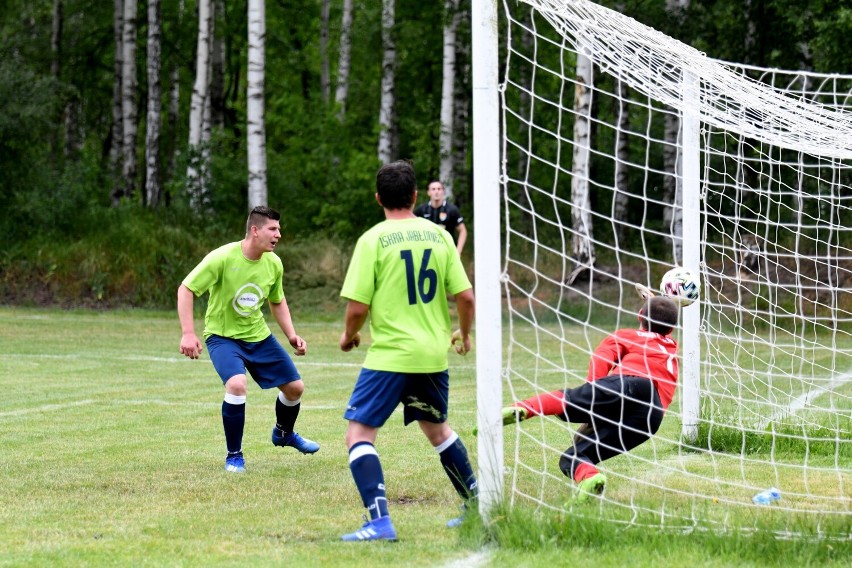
<point x="356" y="315"/>
<point x="465" y="304"/>
<point x="281" y="313"/>
<point x="189" y="343"/>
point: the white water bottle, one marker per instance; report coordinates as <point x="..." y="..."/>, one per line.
<point x="767" y="496"/>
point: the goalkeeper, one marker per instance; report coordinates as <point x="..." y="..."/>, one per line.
<point x="631" y="382"/>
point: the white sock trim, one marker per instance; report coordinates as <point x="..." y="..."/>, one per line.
<point x="234" y="399"/>
<point x="449" y="442"/>
<point x="361" y="451"/>
<point x="286" y="402"/>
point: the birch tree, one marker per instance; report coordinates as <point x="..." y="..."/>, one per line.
<point x="56" y="59"/>
<point x="342" y="91"/>
<point x="174" y="102"/>
<point x="388" y="96"/>
<point x="69" y="117"/>
<point x="621" y="194"/>
<point x="117" y="131"/>
<point x="256" y="128"/>
<point x="461" y="124"/>
<point x="217" y="66"/>
<point x="325" y="80"/>
<point x="196" y="171"/>
<point x="128" y="99"/>
<point x="582" y="248"/>
<point x="152" y="133"/>
<point x="452" y="18"/>
<point x="673" y="179"/>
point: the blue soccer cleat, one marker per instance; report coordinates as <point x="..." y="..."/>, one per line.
<point x="457" y="521"/>
<point x="377" y="529"/>
<point x="293" y="440"/>
<point x="235" y="463"/>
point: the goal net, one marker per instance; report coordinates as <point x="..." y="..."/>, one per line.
<point x="624" y="153"/>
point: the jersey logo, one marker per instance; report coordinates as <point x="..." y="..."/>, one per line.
<point x="247" y="300"/>
<point x="442" y="216"/>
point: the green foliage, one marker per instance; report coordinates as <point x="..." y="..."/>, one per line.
<point x="320" y="169"/>
<point x="133" y="260"/>
<point x="138" y="258"/>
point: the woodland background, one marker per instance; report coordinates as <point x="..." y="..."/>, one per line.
<point x="96" y="212"/>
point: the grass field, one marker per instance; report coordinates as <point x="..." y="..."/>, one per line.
<point x="114" y="455"/>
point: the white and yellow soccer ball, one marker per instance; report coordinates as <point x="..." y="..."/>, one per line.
<point x="681" y="285"/>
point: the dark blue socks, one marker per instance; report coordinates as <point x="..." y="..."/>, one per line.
<point x="456" y="463"/>
<point x="367" y="472"/>
<point x="286" y="412"/>
<point x="234" y="421"/>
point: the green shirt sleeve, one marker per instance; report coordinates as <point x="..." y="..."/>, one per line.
<point x="360" y="282"/>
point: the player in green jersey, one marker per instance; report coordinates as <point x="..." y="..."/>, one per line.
<point x="400" y="274"/>
<point x="240" y="277"/>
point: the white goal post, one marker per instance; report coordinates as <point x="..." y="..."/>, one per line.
<point x="605" y="153"/>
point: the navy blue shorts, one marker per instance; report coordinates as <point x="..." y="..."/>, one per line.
<point x="377" y="394"/>
<point x="268" y="363"/>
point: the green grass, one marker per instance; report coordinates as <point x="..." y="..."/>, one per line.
<point x="114" y="455"/>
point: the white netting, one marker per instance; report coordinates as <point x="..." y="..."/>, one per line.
<point x="593" y="164"/>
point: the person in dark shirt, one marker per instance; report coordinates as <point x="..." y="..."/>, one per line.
<point x="444" y="214"/>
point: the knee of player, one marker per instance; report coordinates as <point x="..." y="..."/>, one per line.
<point x="438" y="434"/>
<point x="294" y="390"/>
<point x="236" y="385"/>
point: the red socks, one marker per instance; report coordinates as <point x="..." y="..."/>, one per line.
<point x="584" y="471"/>
<point x="547" y="404"/>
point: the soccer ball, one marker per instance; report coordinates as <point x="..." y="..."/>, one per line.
<point x="681" y="285"/>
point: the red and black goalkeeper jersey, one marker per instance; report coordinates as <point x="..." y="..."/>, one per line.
<point x="638" y="353"/>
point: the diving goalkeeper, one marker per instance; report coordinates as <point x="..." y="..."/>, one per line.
<point x="630" y="384"/>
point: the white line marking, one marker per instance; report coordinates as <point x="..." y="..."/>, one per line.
<point x="52" y="407"/>
<point x="299" y="362"/>
<point x="474" y="560"/>
<point x="45" y="408"/>
<point x="804" y="400"/>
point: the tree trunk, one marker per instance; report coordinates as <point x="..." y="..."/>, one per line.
<point x="152" y="134"/>
<point x="56" y="40"/>
<point x="208" y="114"/>
<point x="128" y="99"/>
<point x="452" y="18"/>
<point x="388" y="98"/>
<point x="115" y="151"/>
<point x="582" y="247"/>
<point x="461" y="124"/>
<point x="174" y="107"/>
<point x="342" y="91"/>
<point x="621" y="194"/>
<point x="69" y="114"/>
<point x="196" y="171"/>
<point x="256" y="135"/>
<point x="217" y="65"/>
<point x="673" y="178"/>
<point x="325" y="81"/>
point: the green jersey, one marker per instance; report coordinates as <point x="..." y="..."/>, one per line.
<point x="238" y="287"/>
<point x="403" y="270"/>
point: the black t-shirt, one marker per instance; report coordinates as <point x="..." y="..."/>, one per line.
<point x="447" y="215"/>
